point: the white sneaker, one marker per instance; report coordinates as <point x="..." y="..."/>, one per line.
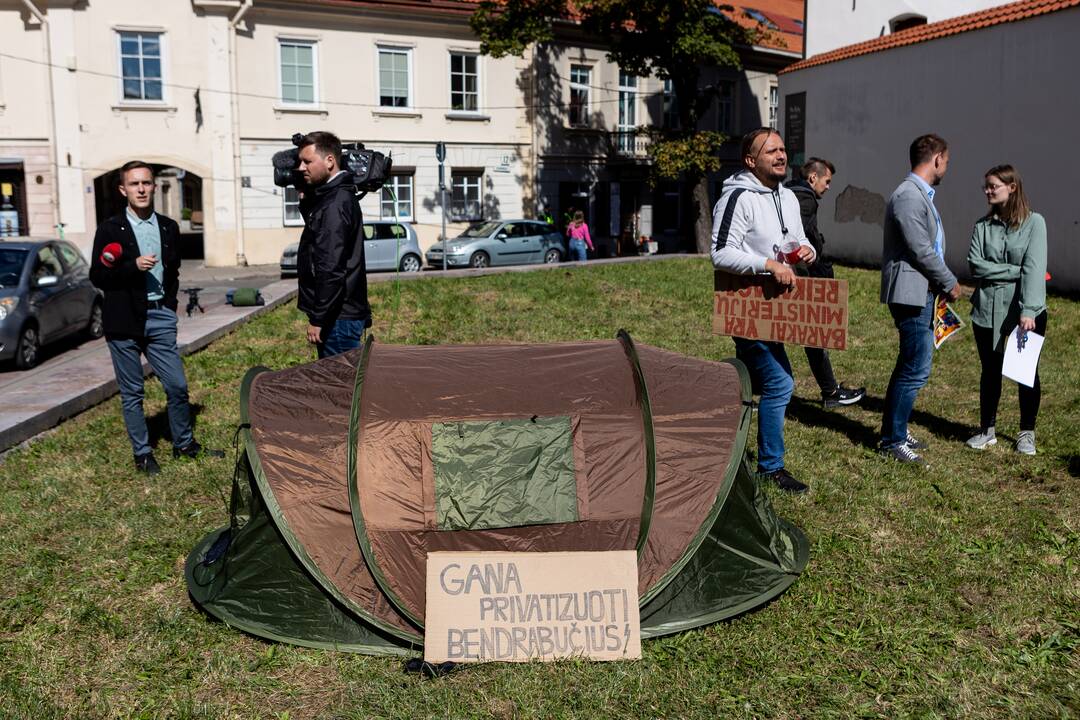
<point x="1025" y="443"/>
<point x="983" y="440"/>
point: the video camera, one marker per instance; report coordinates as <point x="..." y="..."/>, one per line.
<point x="369" y="168"/>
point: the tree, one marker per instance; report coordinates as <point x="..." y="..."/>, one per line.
<point x="671" y="39"/>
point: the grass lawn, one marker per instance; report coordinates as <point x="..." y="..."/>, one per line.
<point x="950" y="592"/>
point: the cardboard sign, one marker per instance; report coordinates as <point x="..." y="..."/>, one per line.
<point x="519" y="607"/>
<point x="813" y="313"/>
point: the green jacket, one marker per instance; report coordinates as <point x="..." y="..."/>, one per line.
<point x="1009" y="267"/>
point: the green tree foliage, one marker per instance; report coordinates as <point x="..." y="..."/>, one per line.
<point x="674" y="40"/>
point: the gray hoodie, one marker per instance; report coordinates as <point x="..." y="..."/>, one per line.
<point x="749" y="222"/>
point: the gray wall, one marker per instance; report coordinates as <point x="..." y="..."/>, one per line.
<point x="1005" y="94"/>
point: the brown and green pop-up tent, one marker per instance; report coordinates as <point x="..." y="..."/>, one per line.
<point x="357" y="466"/>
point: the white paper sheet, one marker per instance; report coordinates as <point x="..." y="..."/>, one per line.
<point x="1020" y="363"/>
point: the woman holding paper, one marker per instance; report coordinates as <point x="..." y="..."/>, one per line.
<point x="1007" y="258"/>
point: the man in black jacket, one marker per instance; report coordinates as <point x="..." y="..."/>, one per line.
<point x="136" y="262"/>
<point x="816" y="177"/>
<point x="330" y="261"/>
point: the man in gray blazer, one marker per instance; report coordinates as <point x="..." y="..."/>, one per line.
<point x="913" y="272"/>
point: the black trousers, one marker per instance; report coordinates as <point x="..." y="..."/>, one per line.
<point x="818" y="358"/>
<point x="990" y="380"/>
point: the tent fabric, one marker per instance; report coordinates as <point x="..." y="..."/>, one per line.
<point x="600" y="445"/>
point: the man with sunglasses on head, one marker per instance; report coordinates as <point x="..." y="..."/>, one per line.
<point x="754" y="217"/>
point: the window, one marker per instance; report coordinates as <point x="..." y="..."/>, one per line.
<point x="71" y="257"/>
<point x="47" y="264"/>
<point x="904" y="22"/>
<point x="774" y="106"/>
<point x="140" y="66"/>
<point x="627" y="111"/>
<point x="394" y="65"/>
<point x="397" y="198"/>
<point x="671" y="106"/>
<point x="465" y="195"/>
<point x="296" y="60"/>
<point x="725" y="107"/>
<point x="291" y="203"/>
<point x="464" y="82"/>
<point x="580" y="79"/>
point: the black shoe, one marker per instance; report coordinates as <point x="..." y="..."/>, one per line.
<point x="195" y="450"/>
<point x="147" y="464"/>
<point x="786" y="482"/>
<point x="843" y="396"/>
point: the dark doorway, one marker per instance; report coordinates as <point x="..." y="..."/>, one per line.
<point x="178" y="196"/>
<point x="13" y="217"/>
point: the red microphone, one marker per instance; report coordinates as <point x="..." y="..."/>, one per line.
<point x="110" y="254"/>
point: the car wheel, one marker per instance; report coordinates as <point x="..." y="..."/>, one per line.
<point x="479" y="259"/>
<point x="552" y="256"/>
<point x="410" y="263"/>
<point x="96" y="327"/>
<point x="26" y="352"/>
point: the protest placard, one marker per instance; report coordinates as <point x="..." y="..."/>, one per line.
<point x="814" y="312"/>
<point x="519" y="607"/>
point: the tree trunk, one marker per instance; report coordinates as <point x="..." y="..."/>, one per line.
<point x="701" y="211"/>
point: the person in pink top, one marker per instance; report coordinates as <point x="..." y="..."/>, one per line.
<point x="578" y="232"/>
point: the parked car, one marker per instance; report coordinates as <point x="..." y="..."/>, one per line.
<point x="45" y="295"/>
<point x="388" y="245"/>
<point x="501" y="242"/>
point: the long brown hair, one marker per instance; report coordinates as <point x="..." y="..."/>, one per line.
<point x="1016" y="209"/>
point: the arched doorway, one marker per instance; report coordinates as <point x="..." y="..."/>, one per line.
<point x="178" y="195"/>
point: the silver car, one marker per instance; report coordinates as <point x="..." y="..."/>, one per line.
<point x="501" y="242"/>
<point x="388" y="245"/>
<point x="45" y="295"/>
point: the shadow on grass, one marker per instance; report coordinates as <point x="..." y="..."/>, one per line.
<point x="1074" y="465"/>
<point x="812" y="413"/>
<point x="157" y="425"/>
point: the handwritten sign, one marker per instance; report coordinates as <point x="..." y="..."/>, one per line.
<point x="519" y="607"/>
<point x="813" y="313"/>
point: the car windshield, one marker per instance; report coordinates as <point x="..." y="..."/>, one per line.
<point x="480" y="229"/>
<point x="11" y="265"/>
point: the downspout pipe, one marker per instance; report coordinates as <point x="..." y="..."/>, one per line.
<point x="54" y="152"/>
<point x="234" y="25"/>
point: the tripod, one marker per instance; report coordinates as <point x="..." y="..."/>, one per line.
<point x="193" y="301"/>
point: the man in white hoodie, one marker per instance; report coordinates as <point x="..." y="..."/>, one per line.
<point x="753" y="219"/>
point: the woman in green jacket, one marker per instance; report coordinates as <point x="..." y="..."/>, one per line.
<point x="1007" y="258"/>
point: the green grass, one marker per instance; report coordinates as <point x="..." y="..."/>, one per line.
<point x="946" y="593"/>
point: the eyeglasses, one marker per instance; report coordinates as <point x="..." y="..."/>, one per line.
<point x="992" y="188"/>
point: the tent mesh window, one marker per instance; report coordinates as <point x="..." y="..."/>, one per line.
<point x="504" y="473"/>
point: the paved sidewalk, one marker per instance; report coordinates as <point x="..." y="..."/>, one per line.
<point x="39" y="399"/>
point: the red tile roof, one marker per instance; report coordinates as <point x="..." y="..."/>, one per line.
<point x="953" y="26"/>
<point x="784" y="30"/>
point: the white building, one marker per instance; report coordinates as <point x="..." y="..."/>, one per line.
<point x="993" y="84"/>
<point x="836" y="23"/>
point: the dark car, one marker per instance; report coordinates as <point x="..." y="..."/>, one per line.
<point x="501" y="242"/>
<point x="45" y="295"/>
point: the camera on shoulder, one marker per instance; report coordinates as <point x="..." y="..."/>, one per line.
<point x="369" y="169"/>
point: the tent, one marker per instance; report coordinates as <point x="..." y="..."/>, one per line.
<point x="356" y="466"/>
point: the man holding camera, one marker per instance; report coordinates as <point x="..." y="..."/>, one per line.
<point x="330" y="261"/>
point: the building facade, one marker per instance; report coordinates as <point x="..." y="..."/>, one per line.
<point x="987" y="82"/>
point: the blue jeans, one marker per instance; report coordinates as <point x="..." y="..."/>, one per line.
<point x="770" y="375"/>
<point x="159" y="346"/>
<point x="578" y="250"/>
<point x="344" y="335"/>
<point x="916" y="327"/>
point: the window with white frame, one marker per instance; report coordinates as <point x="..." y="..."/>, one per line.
<point x="627" y="111"/>
<point x="774" y="106"/>
<point x="580" y="80"/>
<point x="671" y="106"/>
<point x="465" y="195"/>
<point x="397" y="198"/>
<point x="291" y="207"/>
<point x="725" y="107"/>
<point x="464" y="82"/>
<point x="141" y="66"/>
<point x="395" y="65"/>
<point x="298" y="72"/>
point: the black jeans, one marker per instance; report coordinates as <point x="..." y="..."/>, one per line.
<point x="818" y="358"/>
<point x="990" y="380"/>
